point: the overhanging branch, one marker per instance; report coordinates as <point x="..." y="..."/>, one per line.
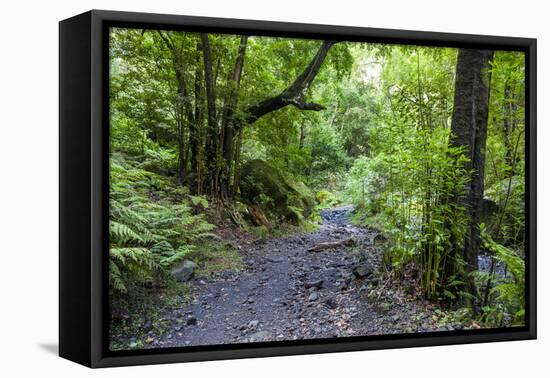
<point x="294" y="94"/>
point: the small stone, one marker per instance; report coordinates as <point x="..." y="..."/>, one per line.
<point x="362" y="271"/>
<point x="313" y="296"/>
<point x="253" y="324"/>
<point x="185" y="271"/>
<point x="259" y="336"/>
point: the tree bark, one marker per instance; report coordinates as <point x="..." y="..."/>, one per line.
<point x="469" y="129"/>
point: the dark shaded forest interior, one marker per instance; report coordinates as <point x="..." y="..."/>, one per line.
<point x="354" y="188"/>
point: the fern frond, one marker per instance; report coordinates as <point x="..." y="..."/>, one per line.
<point x="115" y="278"/>
<point x="178" y="255"/>
<point x="121" y="233"/>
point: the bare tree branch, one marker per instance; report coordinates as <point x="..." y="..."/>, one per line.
<point x="294" y="94"/>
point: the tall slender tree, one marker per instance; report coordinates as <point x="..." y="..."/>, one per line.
<point x="227" y="127"/>
<point x="212" y="145"/>
<point x="469" y="129"/>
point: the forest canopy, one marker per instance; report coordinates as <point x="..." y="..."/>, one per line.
<point x="427" y="144"/>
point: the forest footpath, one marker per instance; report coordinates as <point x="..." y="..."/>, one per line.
<point x="427" y="144"/>
<point x="286" y="291"/>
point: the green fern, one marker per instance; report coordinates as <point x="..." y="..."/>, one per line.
<point x="176" y="256"/>
<point x="115" y="278"/>
<point x="150" y="229"/>
<point x="121" y="233"/>
<point x="509" y="292"/>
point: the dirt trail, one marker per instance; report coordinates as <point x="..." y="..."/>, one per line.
<point x="287" y="293"/>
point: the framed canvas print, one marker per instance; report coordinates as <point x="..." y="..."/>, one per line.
<point x="233" y="188"/>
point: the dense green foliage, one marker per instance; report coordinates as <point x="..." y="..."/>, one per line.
<point x="370" y="125"/>
<point x="404" y="184"/>
<point x="152" y="224"/>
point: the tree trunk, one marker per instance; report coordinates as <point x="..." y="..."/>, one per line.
<point x="469" y="129"/>
<point x="211" y="113"/>
<point x="180" y="142"/>
<point x="195" y="137"/>
<point x="509" y="123"/>
<point x="227" y="117"/>
<point x="184" y="109"/>
<point x="237" y="159"/>
<point x="186" y="118"/>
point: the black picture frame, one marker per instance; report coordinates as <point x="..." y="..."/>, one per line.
<point x="83" y="181"/>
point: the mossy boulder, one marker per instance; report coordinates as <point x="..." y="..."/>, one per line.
<point x="266" y="186"/>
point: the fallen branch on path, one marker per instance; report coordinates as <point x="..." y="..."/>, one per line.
<point x="328" y="245"/>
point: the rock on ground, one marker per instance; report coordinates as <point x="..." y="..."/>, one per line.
<point x="185" y="271"/>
